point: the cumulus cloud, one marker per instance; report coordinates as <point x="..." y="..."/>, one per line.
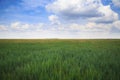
<point x="71" y="30"/>
<point x="19" y="26"/>
<point x="39" y="26"/>
<point x="27" y="26"/>
<point x="116" y="3"/>
<point x="3" y="28"/>
<point x="75" y="8"/>
<point x="90" y="9"/>
<point x="91" y="27"/>
<point x="54" y="19"/>
<point x="95" y="27"/>
<point x="109" y="15"/>
<point x="87" y="27"/>
<point x="117" y="24"/>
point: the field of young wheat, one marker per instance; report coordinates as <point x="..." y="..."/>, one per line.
<point x="59" y="59"/>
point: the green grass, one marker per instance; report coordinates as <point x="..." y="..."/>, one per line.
<point x="59" y="59"/>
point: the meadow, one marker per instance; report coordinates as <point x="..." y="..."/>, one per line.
<point x="60" y="59"/>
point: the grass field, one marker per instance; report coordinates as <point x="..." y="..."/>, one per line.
<point x="59" y="59"/>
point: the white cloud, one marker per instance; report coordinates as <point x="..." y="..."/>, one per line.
<point x="91" y="27"/>
<point x="27" y="26"/>
<point x="19" y="26"/>
<point x="71" y="27"/>
<point x="91" y="9"/>
<point x="3" y="28"/>
<point x="72" y="30"/>
<point x="39" y="26"/>
<point x="109" y="15"/>
<point x="54" y="19"/>
<point x="116" y="3"/>
<point x="117" y="24"/>
<point x="75" y="8"/>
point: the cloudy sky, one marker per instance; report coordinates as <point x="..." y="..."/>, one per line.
<point x="59" y="18"/>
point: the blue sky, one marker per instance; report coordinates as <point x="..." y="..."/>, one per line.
<point x="59" y="18"/>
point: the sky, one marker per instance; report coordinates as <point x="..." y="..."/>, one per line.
<point x="74" y="19"/>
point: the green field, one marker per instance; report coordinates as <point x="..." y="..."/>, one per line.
<point x="59" y="59"/>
